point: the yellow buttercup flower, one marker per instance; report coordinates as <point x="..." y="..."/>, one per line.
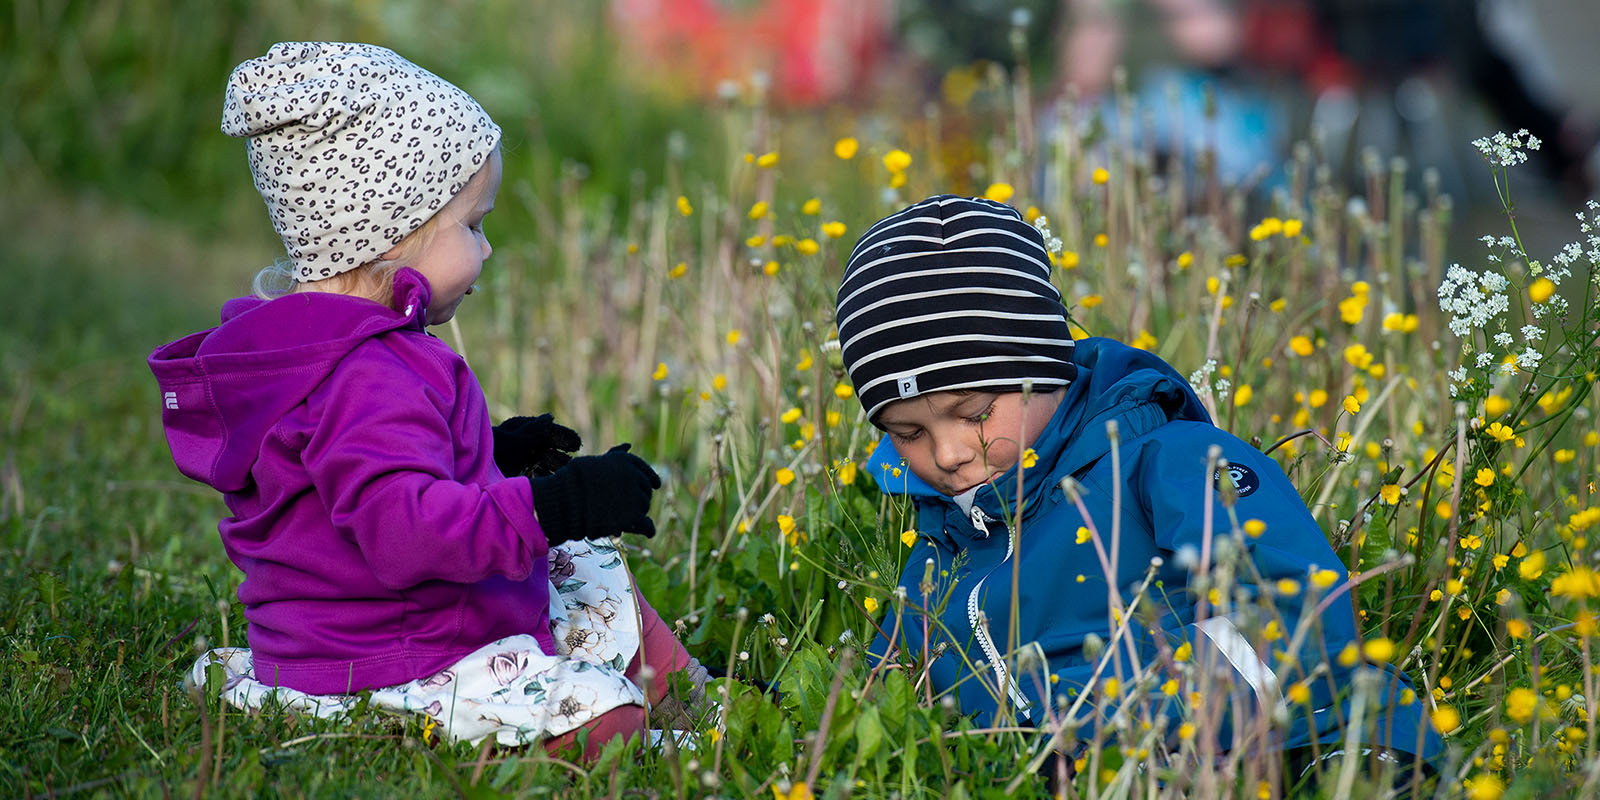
<point x="1351" y="404"/>
<point x="897" y="160"/>
<point x="1291" y="228"/>
<point x="1577" y="584"/>
<point x="847" y="473"/>
<point x="1301" y="345"/>
<point x="1446" y="719"/>
<point x="784" y="476"/>
<point x="1084" y="534"/>
<point x="733" y="336"/>
<point x="767" y="160"/>
<point x="1521" y="703"/>
<point x="1378" y="650"/>
<point x="1242" y="395"/>
<point x="807" y="247"/>
<point x="1029" y="458"/>
<point x="1349" y="655"/>
<point x="846" y="148"/>
<point x="908" y="538"/>
<point x="812" y="207"/>
<point x="719" y="382"/>
<point x="758" y="210"/>
<point x="833" y="230"/>
<point x="1485" y="786"/>
<point x="844" y="391"/>
<point x="999" y="192"/>
<point x="799" y="791"/>
<point x="1100" y="176"/>
<point x="1541" y="290"/>
<point x="661" y="372"/>
<point x="678" y="270"/>
<point x="790" y="416"/>
<point x="683" y="206"/>
<point x="871" y="604"/>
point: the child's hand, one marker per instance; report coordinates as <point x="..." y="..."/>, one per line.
<point x="533" y="445"/>
<point x="594" y="497"/>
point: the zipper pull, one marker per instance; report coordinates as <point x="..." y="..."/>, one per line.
<point x="980" y="520"/>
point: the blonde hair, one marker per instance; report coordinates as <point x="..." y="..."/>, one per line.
<point x="373" y="280"/>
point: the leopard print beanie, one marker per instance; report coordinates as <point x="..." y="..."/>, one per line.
<point x="352" y="147"/>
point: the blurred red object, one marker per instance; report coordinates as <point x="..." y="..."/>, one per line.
<point x="813" y="51"/>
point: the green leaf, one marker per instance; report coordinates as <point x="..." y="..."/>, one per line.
<point x="869" y="731"/>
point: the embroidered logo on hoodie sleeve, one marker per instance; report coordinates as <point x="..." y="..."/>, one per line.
<point x="1243" y="478"/>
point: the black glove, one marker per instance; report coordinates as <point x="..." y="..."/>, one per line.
<point x="533" y="445"/>
<point x="596" y="496"/>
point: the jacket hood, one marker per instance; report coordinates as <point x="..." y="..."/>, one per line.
<point x="224" y="388"/>
<point x="1115" y="382"/>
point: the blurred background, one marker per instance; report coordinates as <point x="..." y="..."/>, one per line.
<point x="115" y="104"/>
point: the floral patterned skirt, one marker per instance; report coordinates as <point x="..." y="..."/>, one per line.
<point x="509" y="688"/>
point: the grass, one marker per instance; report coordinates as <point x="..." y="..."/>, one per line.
<point x="698" y="329"/>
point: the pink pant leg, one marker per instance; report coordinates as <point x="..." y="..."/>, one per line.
<point x="659" y="649"/>
<point x="664" y="654"/>
<point x="623" y="721"/>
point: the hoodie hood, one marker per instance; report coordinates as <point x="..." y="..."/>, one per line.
<point x="224" y="388"/>
<point x="1114" y="382"/>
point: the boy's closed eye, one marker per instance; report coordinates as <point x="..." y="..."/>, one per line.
<point x="970" y="409"/>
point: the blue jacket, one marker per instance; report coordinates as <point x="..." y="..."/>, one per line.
<point x="1164" y="435"/>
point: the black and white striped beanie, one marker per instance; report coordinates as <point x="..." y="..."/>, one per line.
<point x="951" y="293"/>
<point x="352" y="147"/>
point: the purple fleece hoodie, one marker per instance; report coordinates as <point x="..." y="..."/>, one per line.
<point x="378" y="540"/>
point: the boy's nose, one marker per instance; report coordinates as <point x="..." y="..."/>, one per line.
<point x="951" y="453"/>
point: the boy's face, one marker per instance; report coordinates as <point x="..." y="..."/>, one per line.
<point x="454" y="257"/>
<point x="955" y="441"/>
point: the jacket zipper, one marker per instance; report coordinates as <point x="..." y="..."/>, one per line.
<point x="980" y="628"/>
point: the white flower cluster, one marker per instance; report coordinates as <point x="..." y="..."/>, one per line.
<point x="1507" y="151"/>
<point x="1051" y="243"/>
<point x="1472" y="300"/>
<point x="1200" y="380"/>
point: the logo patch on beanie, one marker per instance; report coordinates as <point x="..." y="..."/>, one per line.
<point x="1244" y="481"/>
<point x="907" y="384"/>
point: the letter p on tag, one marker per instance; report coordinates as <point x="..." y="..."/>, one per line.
<point x="907" y="384"/>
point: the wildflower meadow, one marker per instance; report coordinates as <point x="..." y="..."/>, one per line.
<point x="664" y="274"/>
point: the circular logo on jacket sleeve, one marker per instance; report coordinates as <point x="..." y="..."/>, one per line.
<point x="1243" y="478"/>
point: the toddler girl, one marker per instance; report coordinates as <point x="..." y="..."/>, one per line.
<point x="382" y="547"/>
